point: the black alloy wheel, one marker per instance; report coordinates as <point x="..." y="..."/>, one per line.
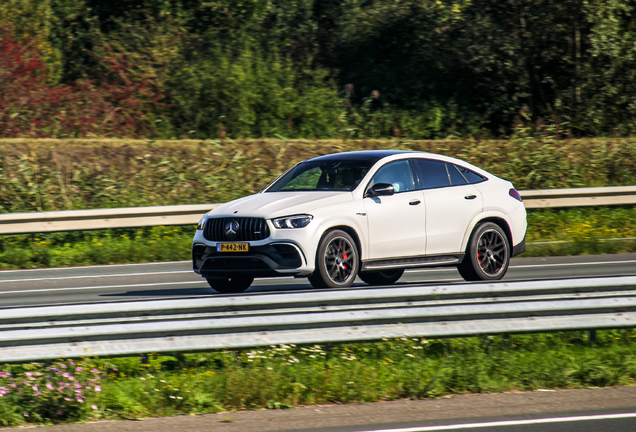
<point x="384" y="277"/>
<point x="230" y="285"/>
<point x="337" y="261"/>
<point x="487" y="255"/>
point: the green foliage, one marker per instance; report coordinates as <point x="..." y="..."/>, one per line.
<point x="413" y="69"/>
<point x="284" y="376"/>
<point x="611" y="74"/>
<point x="252" y="94"/>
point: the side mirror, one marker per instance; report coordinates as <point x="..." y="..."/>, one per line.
<point x="380" y="189"/>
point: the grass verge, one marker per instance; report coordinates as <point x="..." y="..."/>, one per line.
<point x="288" y="375"/>
<point x="581" y="231"/>
<point x="114" y="246"/>
<point x="560" y="232"/>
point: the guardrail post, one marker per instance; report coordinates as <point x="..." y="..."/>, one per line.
<point x="591" y="336"/>
<point x="144" y="360"/>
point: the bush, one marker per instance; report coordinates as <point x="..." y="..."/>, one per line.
<point x="39" y="393"/>
<point x="32" y="105"/>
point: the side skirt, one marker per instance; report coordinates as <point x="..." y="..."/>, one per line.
<point x="412" y="262"/>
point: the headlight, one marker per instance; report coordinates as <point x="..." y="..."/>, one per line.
<point x="201" y="224"/>
<point x="298" y="221"/>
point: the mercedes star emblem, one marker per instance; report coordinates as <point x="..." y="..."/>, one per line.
<point x="231" y="229"/>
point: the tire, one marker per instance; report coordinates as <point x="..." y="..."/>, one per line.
<point x="231" y="285"/>
<point x="487" y="254"/>
<point x="387" y="277"/>
<point x="337" y="261"/>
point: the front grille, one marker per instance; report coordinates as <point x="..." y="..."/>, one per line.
<point x="249" y="229"/>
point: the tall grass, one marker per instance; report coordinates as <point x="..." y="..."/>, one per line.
<point x="45" y="175"/>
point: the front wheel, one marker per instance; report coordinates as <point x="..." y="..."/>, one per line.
<point x="337" y="261"/>
<point x="386" y="277"/>
<point x="230" y="285"/>
<point x="487" y="255"/>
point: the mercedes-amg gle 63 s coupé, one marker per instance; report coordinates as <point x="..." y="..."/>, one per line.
<point x="370" y="214"/>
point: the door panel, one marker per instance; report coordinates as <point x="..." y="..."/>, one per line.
<point x="396" y="222"/>
<point x="449" y="211"/>
<point x="396" y="225"/>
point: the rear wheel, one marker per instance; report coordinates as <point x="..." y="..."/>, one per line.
<point x="487" y="255"/>
<point x="230" y="285"/>
<point x="386" y="277"/>
<point x="337" y="261"/>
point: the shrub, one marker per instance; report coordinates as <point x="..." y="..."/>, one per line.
<point x="56" y="392"/>
<point x="32" y="105"/>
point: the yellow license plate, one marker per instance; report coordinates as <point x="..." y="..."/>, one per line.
<point x="232" y="247"/>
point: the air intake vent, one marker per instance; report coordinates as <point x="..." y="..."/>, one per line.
<point x="236" y="229"/>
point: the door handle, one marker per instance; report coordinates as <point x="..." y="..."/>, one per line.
<point x="415" y="202"/>
<point x="469" y="197"/>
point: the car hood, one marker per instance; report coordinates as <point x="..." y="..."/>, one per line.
<point x="275" y="204"/>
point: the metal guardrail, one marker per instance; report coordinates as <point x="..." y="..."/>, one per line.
<point x="38" y="333"/>
<point x="78" y="220"/>
<point x="579" y="197"/>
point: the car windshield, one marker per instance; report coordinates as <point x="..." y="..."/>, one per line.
<point x="331" y="175"/>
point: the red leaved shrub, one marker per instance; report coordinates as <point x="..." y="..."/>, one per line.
<point x="33" y="105"/>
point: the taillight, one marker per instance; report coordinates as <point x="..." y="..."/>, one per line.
<point x="516" y="195"/>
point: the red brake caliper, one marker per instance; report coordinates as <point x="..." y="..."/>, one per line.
<point x="344" y="256"/>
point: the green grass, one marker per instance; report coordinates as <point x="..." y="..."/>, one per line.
<point x="581" y="231"/>
<point x="288" y="375"/>
<point x="115" y="246"/>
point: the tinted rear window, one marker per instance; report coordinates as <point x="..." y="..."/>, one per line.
<point x="470" y="176"/>
<point x="455" y="176"/>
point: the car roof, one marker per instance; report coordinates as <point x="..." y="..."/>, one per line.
<point x="367" y="155"/>
<point x="376" y="155"/>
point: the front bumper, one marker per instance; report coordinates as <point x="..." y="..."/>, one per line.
<point x="268" y="260"/>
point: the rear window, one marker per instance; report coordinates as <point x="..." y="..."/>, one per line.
<point x="470" y="176"/>
<point x="455" y="176"/>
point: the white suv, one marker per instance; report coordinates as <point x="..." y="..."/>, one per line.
<point x="370" y="214"/>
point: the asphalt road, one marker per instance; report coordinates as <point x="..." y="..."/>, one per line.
<point x="176" y="280"/>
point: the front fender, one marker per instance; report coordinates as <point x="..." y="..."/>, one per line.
<point x="357" y="223"/>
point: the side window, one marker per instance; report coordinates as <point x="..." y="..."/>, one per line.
<point x="396" y="173"/>
<point x="456" y="178"/>
<point x="433" y="173"/>
<point x="470" y="176"/>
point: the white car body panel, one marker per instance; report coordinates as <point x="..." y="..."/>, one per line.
<point x="396" y="233"/>
<point x="277" y="204"/>
<point x="448" y="213"/>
